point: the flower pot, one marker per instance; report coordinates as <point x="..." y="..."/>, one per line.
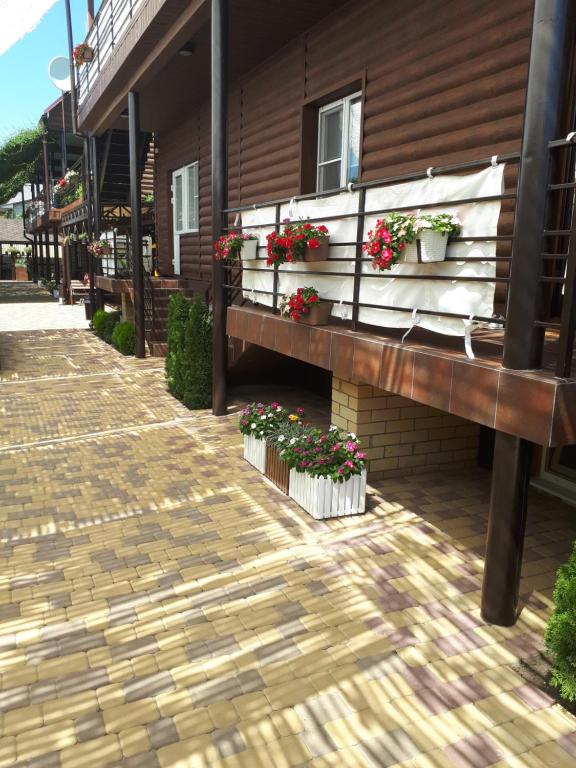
<point x="21" y="273"/>
<point x="323" y="498"/>
<point x="319" y="314"/>
<point x="255" y="452"/>
<point x="56" y="294"/>
<point x="276" y="469"/>
<point x="318" y="254"/>
<point x="428" y="247"/>
<point x="249" y="250"/>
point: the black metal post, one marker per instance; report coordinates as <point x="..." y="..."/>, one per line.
<point x="56" y="258"/>
<point x="46" y="172"/>
<point x="219" y="86"/>
<point x="136" y="218"/>
<point x="48" y="263"/>
<point x="71" y="65"/>
<point x="359" y="254"/>
<point x="88" y="199"/>
<point x="522" y="342"/>
<point x="96" y="211"/>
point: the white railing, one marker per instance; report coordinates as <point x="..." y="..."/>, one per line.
<point x="111" y="22"/>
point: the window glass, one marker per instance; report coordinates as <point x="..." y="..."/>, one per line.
<point x="192" y="196"/>
<point x="353" y="139"/>
<point x="331" y="135"/>
<point x="178" y="203"/>
<point x="329" y="176"/>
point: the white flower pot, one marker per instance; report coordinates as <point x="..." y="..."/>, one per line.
<point x="249" y="250"/>
<point x="255" y="452"/>
<point x="323" y="498"/>
<point x="429" y="246"/>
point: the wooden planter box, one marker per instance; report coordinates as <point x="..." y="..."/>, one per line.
<point x="319" y="314"/>
<point x="21" y="273"/>
<point x="318" y="254"/>
<point x="322" y="498"/>
<point x="255" y="452"/>
<point x="276" y="469"/>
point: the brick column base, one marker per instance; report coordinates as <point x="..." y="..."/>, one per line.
<point x="400" y="436"/>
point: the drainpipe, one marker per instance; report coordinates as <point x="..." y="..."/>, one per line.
<point x="522" y="343"/>
<point x="219" y="54"/>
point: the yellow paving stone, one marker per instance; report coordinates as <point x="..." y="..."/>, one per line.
<point x="96" y="752"/>
<point x="193" y="722"/>
<point x="223" y="714"/>
<point x="7" y="750"/>
<point x="288" y="694"/>
<point x="128" y="715"/>
<point x="553" y="755"/>
<point x="198" y="752"/>
<point x="69" y="707"/>
<point x="287" y="722"/>
<point x="49" y="738"/>
<point x="110" y="696"/>
<point x="62" y="666"/>
<point x="134" y="740"/>
<point x="251" y="705"/>
<point x="23" y="719"/>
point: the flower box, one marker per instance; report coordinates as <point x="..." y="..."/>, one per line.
<point x="255" y="452"/>
<point x="319" y="314"/>
<point x="249" y="250"/>
<point x="276" y="469"/>
<point x="318" y="254"/>
<point x="323" y="498"/>
<point x="428" y="247"/>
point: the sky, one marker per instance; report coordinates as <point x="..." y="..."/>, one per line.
<point x="25" y="88"/>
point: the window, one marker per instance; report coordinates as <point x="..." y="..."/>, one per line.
<point x="338" y="143"/>
<point x="185" y="199"/>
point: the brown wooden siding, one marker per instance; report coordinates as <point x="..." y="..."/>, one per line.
<point x="445" y="82"/>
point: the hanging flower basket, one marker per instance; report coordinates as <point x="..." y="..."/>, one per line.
<point x="428" y="247"/>
<point x="305" y="306"/>
<point x="236" y="245"/>
<point x="82" y="54"/>
<point x="410" y="238"/>
<point x="324" y="498"/>
<point x="299" y="241"/>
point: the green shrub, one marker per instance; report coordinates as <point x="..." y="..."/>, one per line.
<point x="103" y="324"/>
<point x="561" y="631"/>
<point x="189" y="358"/>
<point x="123" y="338"/>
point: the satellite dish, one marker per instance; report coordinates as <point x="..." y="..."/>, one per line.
<point x="59" y="73"/>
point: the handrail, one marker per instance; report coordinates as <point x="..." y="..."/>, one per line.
<point x="109" y="26"/>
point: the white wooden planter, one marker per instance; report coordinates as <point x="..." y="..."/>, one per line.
<point x="255" y="452"/>
<point x="323" y="498"/>
<point x="249" y="250"/>
<point x="429" y="246"/>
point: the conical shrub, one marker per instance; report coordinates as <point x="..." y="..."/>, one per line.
<point x="560" y="634"/>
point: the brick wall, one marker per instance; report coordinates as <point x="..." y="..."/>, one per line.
<point x="401" y="436"/>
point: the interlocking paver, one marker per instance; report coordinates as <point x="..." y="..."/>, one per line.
<point x="161" y="602"/>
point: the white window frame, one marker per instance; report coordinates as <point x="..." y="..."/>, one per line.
<point x="184" y="174"/>
<point x="345" y="104"/>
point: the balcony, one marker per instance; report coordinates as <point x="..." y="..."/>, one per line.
<point x="390" y="342"/>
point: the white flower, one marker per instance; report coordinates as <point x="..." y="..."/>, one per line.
<point x="332" y="428"/>
<point x="252" y="426"/>
<point x="262" y="417"/>
<point x="352" y="436"/>
<point x="292" y="441"/>
<point x="281" y="438"/>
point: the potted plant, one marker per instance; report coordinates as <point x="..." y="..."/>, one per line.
<point x="236" y="245"/>
<point x="411" y="239"/>
<point x="21" y="268"/>
<point x="298" y="241"/>
<point x="82" y="54"/>
<point x="257" y="423"/>
<point x="327" y="471"/>
<point x="305" y="306"/>
<point x="99" y="247"/>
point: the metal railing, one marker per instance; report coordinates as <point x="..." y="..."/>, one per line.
<point x="111" y="23"/>
<point x="233" y="283"/>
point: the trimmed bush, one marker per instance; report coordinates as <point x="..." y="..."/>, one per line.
<point x="123" y="338"/>
<point x="189" y="358"/>
<point x="103" y="324"/>
<point x="560" y="635"/>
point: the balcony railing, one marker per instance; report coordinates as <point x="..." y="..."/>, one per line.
<point x="111" y="22"/>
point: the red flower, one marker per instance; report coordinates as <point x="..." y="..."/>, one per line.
<point x="313" y="299"/>
<point x="313" y="243"/>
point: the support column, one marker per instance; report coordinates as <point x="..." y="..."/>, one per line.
<point x="136" y="217"/>
<point x="96" y="210"/>
<point x="47" y="262"/>
<point x="56" y="259"/>
<point x="40" y="250"/>
<point x="219" y="57"/>
<point x="88" y="198"/>
<point x="523" y="342"/>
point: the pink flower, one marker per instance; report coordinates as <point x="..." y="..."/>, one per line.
<point x="349" y="464"/>
<point x="360" y="455"/>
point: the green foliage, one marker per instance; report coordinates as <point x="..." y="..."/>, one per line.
<point x="560" y="634"/>
<point x="189" y="358"/>
<point x="123" y="338"/>
<point x="104" y="323"/>
<point x="18" y="157"/>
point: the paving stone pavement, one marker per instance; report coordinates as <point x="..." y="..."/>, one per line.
<point x="163" y="605"/>
<point x="35" y="309"/>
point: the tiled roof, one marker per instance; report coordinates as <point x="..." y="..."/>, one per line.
<point x="11" y="230"/>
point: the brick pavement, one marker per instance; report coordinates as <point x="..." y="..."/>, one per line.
<point x="162" y="605"/>
<point x="35" y="309"/>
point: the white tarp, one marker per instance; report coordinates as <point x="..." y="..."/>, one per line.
<point x="478" y="220"/>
